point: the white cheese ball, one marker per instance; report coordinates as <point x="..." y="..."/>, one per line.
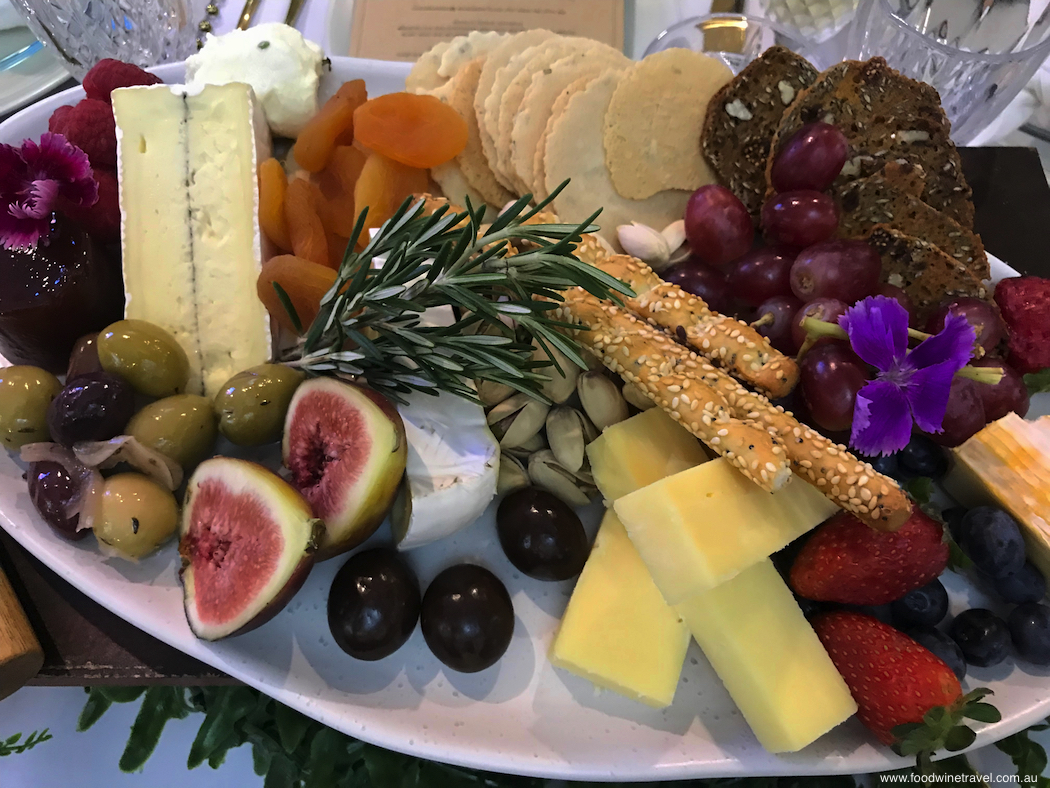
<point x="283" y="68"/>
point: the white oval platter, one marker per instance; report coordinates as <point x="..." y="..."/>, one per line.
<point x="520" y="716"/>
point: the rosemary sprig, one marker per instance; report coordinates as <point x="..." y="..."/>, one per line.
<point x="370" y="324"/>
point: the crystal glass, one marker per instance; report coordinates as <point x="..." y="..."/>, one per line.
<point x="978" y="54"/>
<point x="735" y="39"/>
<point x="82" y="32"/>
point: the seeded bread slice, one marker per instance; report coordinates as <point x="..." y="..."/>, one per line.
<point x="875" y="200"/>
<point x="923" y="271"/>
<point x="885" y="116"/>
<point x="744" y="115"/>
<point x="905" y="176"/>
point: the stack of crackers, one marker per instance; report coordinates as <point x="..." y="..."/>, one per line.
<point x="902" y="187"/>
<point x="543" y="108"/>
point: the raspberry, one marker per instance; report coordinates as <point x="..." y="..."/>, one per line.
<point x="109" y="74"/>
<point x="59" y="118"/>
<point x="101" y="220"/>
<point x="1025" y="304"/>
<point x="90" y="126"/>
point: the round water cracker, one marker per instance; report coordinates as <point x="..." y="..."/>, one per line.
<point x="539" y="98"/>
<point x="546" y="54"/>
<point x="471" y="160"/>
<point x="424" y="75"/>
<point x="463" y="49"/>
<point x="539" y="168"/>
<point x="653" y="123"/>
<point x="454" y="185"/>
<point x="574" y="150"/>
<point x="496" y="60"/>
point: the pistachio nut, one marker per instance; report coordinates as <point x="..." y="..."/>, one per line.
<point x="507" y="407"/>
<point x="523" y="451"/>
<point x="547" y="474"/>
<point x="645" y="243"/>
<point x="601" y="399"/>
<point x="524" y="424"/>
<point x="674" y="234"/>
<point x="590" y="432"/>
<point x="636" y="397"/>
<point x="565" y="435"/>
<point x="512" y="475"/>
<point x="681" y="254"/>
<point x="491" y="393"/>
<point x="561" y="379"/>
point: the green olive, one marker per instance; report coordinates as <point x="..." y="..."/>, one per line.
<point x="183" y="427"/>
<point x="136" y="515"/>
<point x="25" y="393"/>
<point x="252" y="404"/>
<point x="145" y="355"/>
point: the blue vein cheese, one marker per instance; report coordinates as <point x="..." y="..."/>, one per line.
<point x="189" y="203"/>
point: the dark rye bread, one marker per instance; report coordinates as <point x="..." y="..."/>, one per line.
<point x="885" y="116"/>
<point x="744" y="115"/>
<point x="923" y="271"/>
<point x="875" y="200"/>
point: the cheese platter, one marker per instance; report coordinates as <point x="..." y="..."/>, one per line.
<point x="587" y="664"/>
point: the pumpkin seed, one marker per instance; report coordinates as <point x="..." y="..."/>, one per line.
<point x="601" y="399"/>
<point x="547" y="474"/>
<point x="565" y="434"/>
<point x="512" y="475"/>
<point x="634" y="396"/>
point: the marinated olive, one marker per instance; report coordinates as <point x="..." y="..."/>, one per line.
<point x="94" y="407"/>
<point x="145" y="355"/>
<point x="52" y="491"/>
<point x="182" y="427"/>
<point x="84" y="357"/>
<point x="253" y="403"/>
<point x="467" y="618"/>
<point x="136" y="516"/>
<point x="541" y="535"/>
<point x="25" y="395"/>
<point x="374" y="604"/>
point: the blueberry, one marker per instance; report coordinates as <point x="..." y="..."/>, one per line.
<point x="925" y="606"/>
<point x="992" y="539"/>
<point x="887" y="465"/>
<point x="923" y="457"/>
<point x="954" y="517"/>
<point x="881" y="612"/>
<point x="1030" y="629"/>
<point x="810" y="608"/>
<point x="1025" y="585"/>
<point x="940" y="645"/>
<point x="982" y="637"/>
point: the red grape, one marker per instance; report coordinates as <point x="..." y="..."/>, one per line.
<point x="761" y="274"/>
<point x="717" y="225"/>
<point x="799" y="219"/>
<point x="780" y="311"/>
<point x="983" y="316"/>
<point x="702" y="281"/>
<point x="902" y="298"/>
<point x="831" y="376"/>
<point x="827" y="309"/>
<point x="811" y="159"/>
<point x="964" y="415"/>
<point x="846" y="270"/>
<point x="1008" y="395"/>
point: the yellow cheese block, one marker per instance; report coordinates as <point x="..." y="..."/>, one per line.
<point x="705" y="525"/>
<point x="769" y="658"/>
<point x="617" y="630"/>
<point x="639" y="451"/>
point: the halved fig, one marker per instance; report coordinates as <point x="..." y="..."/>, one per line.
<point x="247" y="541"/>
<point x="345" y="446"/>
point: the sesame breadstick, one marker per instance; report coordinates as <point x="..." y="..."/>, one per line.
<point x="648" y="358"/>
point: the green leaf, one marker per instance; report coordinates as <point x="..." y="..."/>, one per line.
<point x="291" y="726"/>
<point x="328" y="751"/>
<point x="982" y="712"/>
<point x="959" y="738"/>
<point x="1038" y="382"/>
<point x="10" y="741"/>
<point x="283" y="773"/>
<point x="289" y="307"/>
<point x="921" y="489"/>
<point x="122" y="694"/>
<point x="261" y="759"/>
<point x="233" y="705"/>
<point x="1029" y="757"/>
<point x="159" y="705"/>
<point x="958" y="561"/>
<point x="96" y="705"/>
<point x="384" y="767"/>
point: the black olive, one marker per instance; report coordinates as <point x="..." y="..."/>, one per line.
<point x="467" y="618"/>
<point x="541" y="535"/>
<point x="374" y="604"/>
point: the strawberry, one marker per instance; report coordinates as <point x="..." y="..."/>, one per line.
<point x="848" y="562"/>
<point x="906" y="696"/>
<point x="1025" y="305"/>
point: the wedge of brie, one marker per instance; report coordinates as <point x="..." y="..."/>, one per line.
<point x="450" y="476"/>
<point x="189" y="203"/>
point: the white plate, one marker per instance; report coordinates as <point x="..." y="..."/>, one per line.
<point x="33" y="77"/>
<point x="519" y="716"/>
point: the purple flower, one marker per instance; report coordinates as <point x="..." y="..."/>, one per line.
<point x="33" y="180"/>
<point x="911" y="386"/>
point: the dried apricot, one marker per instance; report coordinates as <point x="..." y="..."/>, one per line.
<point x="336" y="182"/>
<point x="353" y="91"/>
<point x="304" y="282"/>
<point x="302" y="211"/>
<point x="273" y="184"/>
<point x="336" y="249"/>
<point x="334" y="120"/>
<point x="382" y="186"/>
<point x="418" y="130"/>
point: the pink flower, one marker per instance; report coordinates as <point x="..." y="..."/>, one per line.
<point x="32" y="181"/>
